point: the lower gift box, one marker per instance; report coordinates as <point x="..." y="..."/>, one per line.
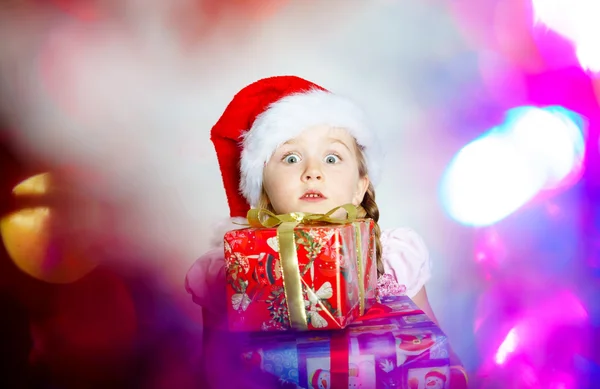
<point x="394" y="346"/>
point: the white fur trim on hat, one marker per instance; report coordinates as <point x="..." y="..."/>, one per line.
<point x="286" y="119"/>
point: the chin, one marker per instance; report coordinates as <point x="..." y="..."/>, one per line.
<point x="321" y="207"/>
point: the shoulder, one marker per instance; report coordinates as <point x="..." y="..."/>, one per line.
<point x="211" y="262"/>
<point x="403" y="238"/>
<point x="406" y="257"/>
<point x="206" y="275"/>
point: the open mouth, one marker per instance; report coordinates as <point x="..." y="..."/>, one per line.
<point x="313" y="195"/>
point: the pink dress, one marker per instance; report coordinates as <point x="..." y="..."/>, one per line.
<point x="405" y="260"/>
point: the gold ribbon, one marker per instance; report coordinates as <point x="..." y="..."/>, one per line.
<point x="359" y="263"/>
<point x="256" y="217"/>
<point x="292" y="281"/>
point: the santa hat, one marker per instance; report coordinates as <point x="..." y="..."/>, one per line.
<point x="435" y="374"/>
<point x="315" y="378"/>
<point x="266" y="114"/>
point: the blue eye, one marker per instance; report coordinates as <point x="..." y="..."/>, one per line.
<point x="332" y="158"/>
<point x="291" y="158"/>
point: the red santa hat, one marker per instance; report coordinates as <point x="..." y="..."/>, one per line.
<point x="435" y="374"/>
<point x="316" y="376"/>
<point x="266" y="114"/>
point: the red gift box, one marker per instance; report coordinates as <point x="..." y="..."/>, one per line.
<point x="317" y="276"/>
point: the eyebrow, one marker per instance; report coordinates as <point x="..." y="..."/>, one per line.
<point x="332" y="140"/>
<point x="335" y="140"/>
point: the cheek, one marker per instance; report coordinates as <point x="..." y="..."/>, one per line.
<point x="271" y="180"/>
<point x="278" y="190"/>
<point x="348" y="182"/>
<point x="344" y="191"/>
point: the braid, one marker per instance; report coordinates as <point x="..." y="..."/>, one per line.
<point x="371" y="211"/>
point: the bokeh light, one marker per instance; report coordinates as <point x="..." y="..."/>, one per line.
<point x="29" y="235"/>
<point x="496" y="174"/>
<point x="538" y="334"/>
<point x="488" y="180"/>
<point x="576" y="21"/>
<point x="553" y="137"/>
<point x="509" y="344"/>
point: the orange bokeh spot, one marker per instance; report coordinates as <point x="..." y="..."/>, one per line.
<point x="29" y="238"/>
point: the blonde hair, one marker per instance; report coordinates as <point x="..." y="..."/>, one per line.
<point x="367" y="209"/>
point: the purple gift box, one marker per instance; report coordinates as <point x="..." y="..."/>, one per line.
<point x="398" y="348"/>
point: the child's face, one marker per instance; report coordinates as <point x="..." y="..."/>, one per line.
<point x="315" y="172"/>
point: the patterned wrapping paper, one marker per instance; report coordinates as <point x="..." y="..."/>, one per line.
<point x="333" y="265"/>
<point x="398" y="348"/>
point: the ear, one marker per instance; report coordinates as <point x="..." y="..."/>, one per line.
<point x="361" y="189"/>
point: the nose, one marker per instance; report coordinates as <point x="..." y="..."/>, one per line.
<point x="308" y="176"/>
<point x="312" y="172"/>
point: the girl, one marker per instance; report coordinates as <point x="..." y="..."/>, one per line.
<point x="288" y="145"/>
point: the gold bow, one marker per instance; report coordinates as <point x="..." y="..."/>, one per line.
<point x="292" y="280"/>
<point x="256" y="217"/>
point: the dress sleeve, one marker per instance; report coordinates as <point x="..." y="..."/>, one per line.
<point x="205" y="280"/>
<point x="406" y="258"/>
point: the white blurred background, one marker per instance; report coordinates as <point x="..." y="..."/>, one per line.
<point x="129" y="98"/>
